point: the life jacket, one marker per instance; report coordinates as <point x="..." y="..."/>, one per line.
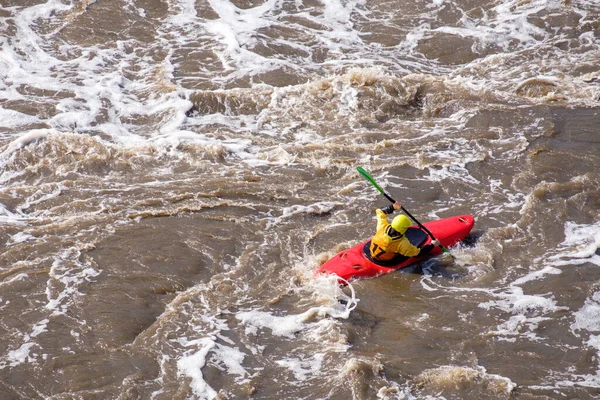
<point x="387" y="243"/>
<point x="382" y="244"/>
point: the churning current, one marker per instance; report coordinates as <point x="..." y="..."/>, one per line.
<point x="173" y="173"/>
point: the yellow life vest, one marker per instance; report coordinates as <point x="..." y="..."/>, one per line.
<point x="387" y="242"/>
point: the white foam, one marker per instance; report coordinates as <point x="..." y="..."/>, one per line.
<point x="519" y="326"/>
<point x="94" y="84"/>
<point x="232" y="359"/>
<point x="170" y="141"/>
<point x="303" y="368"/>
<point x="580" y="246"/>
<point x="23" y="140"/>
<point x="588" y="317"/>
<point x="9" y="218"/>
<point x="536" y="275"/>
<point x="587" y="321"/>
<point x="19" y="237"/>
<point x="452" y="376"/>
<point x="319" y="208"/>
<point x="100" y="80"/>
<point x="42" y="195"/>
<point x="505" y="23"/>
<point x="208" y="351"/>
<point x="40" y="327"/>
<point x="594" y="342"/>
<point x="313" y="322"/>
<point x="286" y="326"/>
<point x="393" y="391"/>
<point x="191" y="366"/>
<point x="514" y="300"/>
<point x="66" y="275"/>
<point x="22" y="354"/>
<point x="236" y="29"/>
<point x="14" y="119"/>
<point x="528" y="309"/>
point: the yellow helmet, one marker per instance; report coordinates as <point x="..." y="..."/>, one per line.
<point x="401" y="223"/>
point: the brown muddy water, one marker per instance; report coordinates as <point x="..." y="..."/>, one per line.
<point x="173" y="172"/>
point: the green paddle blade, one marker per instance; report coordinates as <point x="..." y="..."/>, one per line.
<point x="368" y="177"/>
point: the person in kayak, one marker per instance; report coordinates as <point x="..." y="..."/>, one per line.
<point x="389" y="241"/>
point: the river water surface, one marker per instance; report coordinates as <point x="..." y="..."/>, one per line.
<point x="172" y="173"/>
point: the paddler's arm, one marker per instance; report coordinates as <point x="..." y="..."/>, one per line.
<point x="427" y="248"/>
<point x="407" y="249"/>
<point x="383" y="211"/>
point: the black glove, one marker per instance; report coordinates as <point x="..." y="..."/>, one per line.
<point x="426" y="249"/>
<point x="388" y="209"/>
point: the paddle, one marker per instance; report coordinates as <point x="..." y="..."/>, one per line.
<point x="368" y="177"/>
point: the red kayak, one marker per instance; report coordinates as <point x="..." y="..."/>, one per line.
<point x="355" y="262"/>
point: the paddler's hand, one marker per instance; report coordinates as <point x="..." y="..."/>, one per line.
<point x="435" y="243"/>
<point x="397" y="205"/>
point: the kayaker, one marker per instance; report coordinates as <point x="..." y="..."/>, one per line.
<point x="389" y="241"/>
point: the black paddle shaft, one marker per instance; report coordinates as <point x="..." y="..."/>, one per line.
<point x="413" y="218"/>
<point x="368" y="177"/>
